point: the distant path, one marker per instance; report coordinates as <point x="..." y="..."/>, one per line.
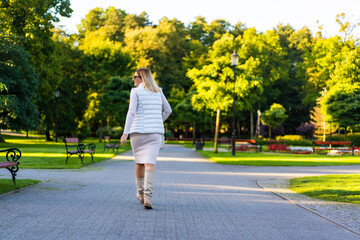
<point x="194" y="199"/>
<point x="8" y="132"/>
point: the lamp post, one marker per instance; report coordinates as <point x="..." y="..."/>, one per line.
<point x="57" y="95"/>
<point x="234" y="63"/>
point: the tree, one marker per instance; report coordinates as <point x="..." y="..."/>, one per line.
<point x="320" y="63"/>
<point x="115" y="100"/>
<point x="162" y="49"/>
<point x="73" y="87"/>
<point x="292" y="85"/>
<point x="17" y="74"/>
<point x="346" y="26"/>
<point x="274" y="117"/>
<point x="32" y="22"/>
<point x="214" y="82"/>
<point x="4" y="97"/>
<point x="342" y="103"/>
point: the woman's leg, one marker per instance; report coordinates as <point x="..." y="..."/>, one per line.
<point x="140" y="170"/>
<point x="149" y="184"/>
<point x="140" y="173"/>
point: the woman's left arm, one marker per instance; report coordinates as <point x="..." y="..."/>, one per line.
<point x="166" y="107"/>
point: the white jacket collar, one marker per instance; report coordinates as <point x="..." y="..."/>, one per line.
<point x="141" y="85"/>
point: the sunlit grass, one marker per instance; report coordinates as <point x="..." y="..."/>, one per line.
<point x="40" y="154"/>
<point x="283" y="159"/>
<point x="7" y="185"/>
<point x="339" y="188"/>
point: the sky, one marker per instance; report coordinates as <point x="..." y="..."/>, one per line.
<point x="262" y="14"/>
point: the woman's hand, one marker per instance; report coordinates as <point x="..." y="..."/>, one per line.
<point x="123" y="139"/>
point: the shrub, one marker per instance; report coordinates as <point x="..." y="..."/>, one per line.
<point x="295" y="140"/>
<point x="168" y="134"/>
<point x="113" y="132"/>
<point x="307" y="130"/>
<point x="83" y="132"/>
<point x="354" y="137"/>
<point x="264" y="131"/>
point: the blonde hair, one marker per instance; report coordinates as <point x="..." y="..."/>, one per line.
<point x="148" y="80"/>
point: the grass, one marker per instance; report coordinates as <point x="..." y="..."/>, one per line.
<point x="39" y="154"/>
<point x="338" y="188"/>
<point x="7" y="185"/>
<point x="280" y="159"/>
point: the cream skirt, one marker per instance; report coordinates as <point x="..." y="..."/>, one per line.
<point x="145" y="146"/>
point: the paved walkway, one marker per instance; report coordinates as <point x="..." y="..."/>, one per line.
<point x="194" y="199"/>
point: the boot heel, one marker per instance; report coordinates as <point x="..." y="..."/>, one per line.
<point x="147" y="202"/>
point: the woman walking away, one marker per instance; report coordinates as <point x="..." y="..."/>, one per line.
<point x="148" y="109"/>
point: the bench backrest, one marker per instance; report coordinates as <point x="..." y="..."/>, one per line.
<point x="71" y="140"/>
<point x="332" y="143"/>
<point x="253" y="141"/>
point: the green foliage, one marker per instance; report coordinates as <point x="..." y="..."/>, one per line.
<point x="214" y="83"/>
<point x="82" y="131"/>
<point x="113" y="132"/>
<point x="17" y="74"/>
<point x="115" y="100"/>
<point x="292" y="84"/>
<point x="32" y="22"/>
<point x="354" y="137"/>
<point x="161" y="48"/>
<point x="295" y="140"/>
<point x="274" y="117"/>
<point x="342" y="103"/>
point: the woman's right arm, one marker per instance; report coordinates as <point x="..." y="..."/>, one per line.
<point x="130" y="116"/>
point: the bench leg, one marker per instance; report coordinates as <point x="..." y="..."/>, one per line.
<point x="67" y="157"/>
<point x="13" y="175"/>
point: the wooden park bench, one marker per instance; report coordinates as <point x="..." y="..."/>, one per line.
<point x="333" y="145"/>
<point x="74" y="147"/>
<point x="11" y="163"/>
<point x="110" y="144"/>
<point x="224" y="141"/>
<point x="278" y="146"/>
<point x="245" y="145"/>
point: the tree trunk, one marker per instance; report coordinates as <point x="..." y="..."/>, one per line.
<point x="251" y="124"/>
<point x="345" y="135"/>
<point x="217" y="131"/>
<point x="238" y="129"/>
<point x="47" y="135"/>
<point x="1" y="138"/>
<point x="101" y="132"/>
<point x="258" y="123"/>
<point x="27" y="133"/>
<point x="324" y="135"/>
<point x="269" y="132"/>
<point x="194" y="134"/>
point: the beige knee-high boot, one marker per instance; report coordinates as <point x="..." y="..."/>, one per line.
<point x="148" y="188"/>
<point x="140" y="189"/>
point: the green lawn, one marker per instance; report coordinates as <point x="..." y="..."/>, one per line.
<point x="7" y="185"/>
<point x="280" y="159"/>
<point x="37" y="153"/>
<point x="339" y="188"/>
